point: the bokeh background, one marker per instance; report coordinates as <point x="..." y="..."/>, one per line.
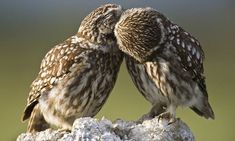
<point x="29" y="28"/>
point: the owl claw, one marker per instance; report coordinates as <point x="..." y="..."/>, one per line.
<point x="167" y="116"/>
<point x="64" y="130"/>
<point x="156" y="110"/>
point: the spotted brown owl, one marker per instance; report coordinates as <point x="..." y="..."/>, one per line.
<point x="76" y="76"/>
<point x="164" y="61"/>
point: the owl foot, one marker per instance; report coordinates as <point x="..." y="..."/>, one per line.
<point x="155" y="111"/>
<point x="170" y="118"/>
<point x="64" y="130"/>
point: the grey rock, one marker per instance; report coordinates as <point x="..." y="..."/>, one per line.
<point x="91" y="129"/>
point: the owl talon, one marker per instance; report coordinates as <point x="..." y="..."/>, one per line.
<point x="168" y="117"/>
<point x="64" y="130"/>
<point x="172" y="120"/>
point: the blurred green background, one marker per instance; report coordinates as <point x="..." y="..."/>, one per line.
<point x="29" y="28"/>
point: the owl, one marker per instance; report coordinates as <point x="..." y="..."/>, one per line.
<point x="76" y="76"/>
<point x="164" y="61"/>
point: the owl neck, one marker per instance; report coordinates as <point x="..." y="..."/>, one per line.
<point x="98" y="38"/>
<point x="90" y="43"/>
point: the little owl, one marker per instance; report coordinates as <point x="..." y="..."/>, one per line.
<point x="164" y="61"/>
<point x="76" y="76"/>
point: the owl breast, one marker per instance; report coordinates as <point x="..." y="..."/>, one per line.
<point x="84" y="91"/>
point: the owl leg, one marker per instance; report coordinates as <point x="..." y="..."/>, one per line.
<point x="156" y="110"/>
<point x="36" y="121"/>
<point x="169" y="114"/>
<point x="66" y="127"/>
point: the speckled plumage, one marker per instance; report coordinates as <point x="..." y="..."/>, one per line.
<point x="164" y="61"/>
<point x="76" y="76"/>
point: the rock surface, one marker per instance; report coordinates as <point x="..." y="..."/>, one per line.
<point x="90" y="129"/>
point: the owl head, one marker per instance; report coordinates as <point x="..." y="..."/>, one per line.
<point x="98" y="26"/>
<point x="139" y="32"/>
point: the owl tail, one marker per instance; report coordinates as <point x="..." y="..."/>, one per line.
<point x="204" y="109"/>
<point x="36" y="121"/>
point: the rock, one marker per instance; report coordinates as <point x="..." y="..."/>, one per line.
<point x="90" y="129"/>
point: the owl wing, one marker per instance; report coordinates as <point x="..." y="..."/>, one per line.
<point x="191" y="57"/>
<point x="185" y="51"/>
<point x="54" y="67"/>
